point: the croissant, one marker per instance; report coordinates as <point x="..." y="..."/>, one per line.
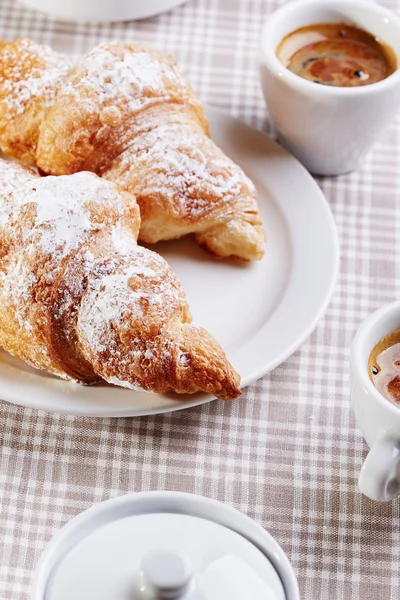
<point x="80" y="299"/>
<point x="128" y="114"/>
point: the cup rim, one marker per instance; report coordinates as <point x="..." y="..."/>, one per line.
<point x="272" y="62"/>
<point x="358" y="347"/>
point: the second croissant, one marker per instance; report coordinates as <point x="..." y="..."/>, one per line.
<point x="80" y="299"/>
<point x="128" y="114"/>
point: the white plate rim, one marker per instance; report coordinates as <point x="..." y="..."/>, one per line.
<point x="21" y="393"/>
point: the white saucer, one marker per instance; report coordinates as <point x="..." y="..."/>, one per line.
<point x="102" y="11"/>
<point x="260" y="313"/>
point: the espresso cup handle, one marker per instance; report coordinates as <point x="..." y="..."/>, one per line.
<point x="378" y="478"/>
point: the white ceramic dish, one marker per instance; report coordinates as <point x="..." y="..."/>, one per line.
<point x="102" y="10"/>
<point x="97" y="554"/>
<point x="260" y="313"/>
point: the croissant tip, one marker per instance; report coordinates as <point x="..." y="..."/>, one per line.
<point x="229" y="393"/>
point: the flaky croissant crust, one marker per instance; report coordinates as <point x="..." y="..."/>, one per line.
<point x="128" y="114"/>
<point x="80" y="299"/>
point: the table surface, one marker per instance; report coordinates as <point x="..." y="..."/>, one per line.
<point x="287" y="454"/>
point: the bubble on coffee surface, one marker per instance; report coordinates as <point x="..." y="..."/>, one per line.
<point x="384" y="367"/>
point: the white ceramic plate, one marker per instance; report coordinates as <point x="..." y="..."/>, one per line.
<point x="260" y="313"/>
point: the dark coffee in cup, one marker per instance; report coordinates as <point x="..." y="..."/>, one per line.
<point x="337" y="54"/>
<point x="384" y="367"/>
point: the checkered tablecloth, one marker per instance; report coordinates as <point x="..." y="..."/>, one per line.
<point x="287" y="454"/>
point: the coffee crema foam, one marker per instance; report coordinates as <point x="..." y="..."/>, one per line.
<point x="337" y="54"/>
<point x="384" y="367"/>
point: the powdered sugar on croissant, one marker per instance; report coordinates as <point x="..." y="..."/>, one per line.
<point x="128" y="114"/>
<point x="30" y="76"/>
<point x="80" y="299"/>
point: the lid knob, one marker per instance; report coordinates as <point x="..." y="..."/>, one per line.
<point x="165" y="575"/>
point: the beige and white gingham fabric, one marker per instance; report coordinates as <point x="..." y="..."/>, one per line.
<point x="288" y="453"/>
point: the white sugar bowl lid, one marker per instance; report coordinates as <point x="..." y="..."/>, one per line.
<point x="164" y="545"/>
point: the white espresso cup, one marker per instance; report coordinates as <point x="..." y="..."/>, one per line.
<point x="329" y="129"/>
<point x="377" y="417"/>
